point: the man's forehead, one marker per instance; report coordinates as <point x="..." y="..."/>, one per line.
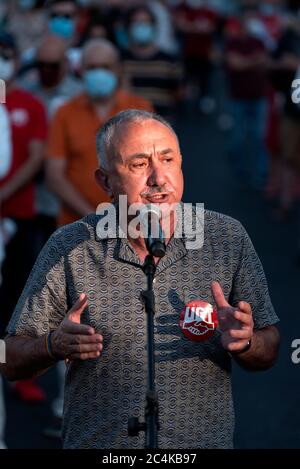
<point x="145" y="133"/>
<point x="64" y="7"/>
<point x="99" y="55"/>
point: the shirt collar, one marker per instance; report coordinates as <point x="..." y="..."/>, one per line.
<point x="178" y="246"/>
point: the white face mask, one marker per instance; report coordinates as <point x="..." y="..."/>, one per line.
<point x="7" y="69"/>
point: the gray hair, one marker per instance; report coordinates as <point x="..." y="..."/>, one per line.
<point x="106" y="133"/>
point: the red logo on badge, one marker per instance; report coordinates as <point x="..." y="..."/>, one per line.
<point x="198" y="321"/>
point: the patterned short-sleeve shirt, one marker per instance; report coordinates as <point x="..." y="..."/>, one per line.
<point x="193" y="379"/>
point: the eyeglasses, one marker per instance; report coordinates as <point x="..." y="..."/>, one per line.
<point x="67" y="16"/>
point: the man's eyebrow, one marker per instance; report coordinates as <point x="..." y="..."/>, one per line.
<point x="139" y="155"/>
<point x="166" y="151"/>
<point x="146" y="155"/>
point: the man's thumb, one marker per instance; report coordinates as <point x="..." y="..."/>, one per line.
<point x="78" y="308"/>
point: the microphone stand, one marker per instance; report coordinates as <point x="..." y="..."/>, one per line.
<point x="151" y="425"/>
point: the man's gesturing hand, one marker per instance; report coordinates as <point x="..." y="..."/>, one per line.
<point x="235" y="324"/>
<point x="73" y="340"/>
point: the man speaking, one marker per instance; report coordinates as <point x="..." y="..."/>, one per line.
<point x="82" y="303"/>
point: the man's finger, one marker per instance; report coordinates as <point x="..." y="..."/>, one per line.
<point x="85" y="348"/>
<point x="71" y="327"/>
<point x="240" y="333"/>
<point x="219" y="295"/>
<point x="78" y="308"/>
<point x="245" y="307"/>
<point x="85" y="356"/>
<point x="86" y="339"/>
<point x="243" y="317"/>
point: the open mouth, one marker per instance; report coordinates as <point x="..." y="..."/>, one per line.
<point x="158" y="198"/>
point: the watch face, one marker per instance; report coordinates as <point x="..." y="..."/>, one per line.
<point x="198" y="320"/>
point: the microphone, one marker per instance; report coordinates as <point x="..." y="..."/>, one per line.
<point x="153" y="233"/>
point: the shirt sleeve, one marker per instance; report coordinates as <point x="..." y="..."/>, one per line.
<point x="43" y="303"/>
<point x="250" y="285"/>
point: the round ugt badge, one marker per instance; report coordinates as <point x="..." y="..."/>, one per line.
<point x="198" y="321"/>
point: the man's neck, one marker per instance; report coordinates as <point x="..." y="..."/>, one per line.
<point x="139" y="244"/>
<point x="50" y="89"/>
<point x="139" y="247"/>
<point x="103" y="106"/>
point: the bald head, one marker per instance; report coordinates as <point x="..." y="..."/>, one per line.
<point x="100" y="53"/>
<point x="52" y="49"/>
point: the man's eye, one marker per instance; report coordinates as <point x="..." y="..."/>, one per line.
<point x="139" y="165"/>
<point x="169" y="159"/>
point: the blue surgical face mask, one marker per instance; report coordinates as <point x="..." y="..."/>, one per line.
<point x="142" y="33"/>
<point x="100" y="83"/>
<point x="63" y="27"/>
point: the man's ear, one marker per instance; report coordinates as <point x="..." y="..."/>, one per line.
<point x="103" y="181"/>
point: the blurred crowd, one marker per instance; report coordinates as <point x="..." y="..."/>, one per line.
<point x="67" y="66"/>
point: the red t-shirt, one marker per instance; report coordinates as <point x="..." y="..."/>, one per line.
<point x="251" y="83"/>
<point x="28" y="122"/>
<point x="198" y="44"/>
<point x="272" y="23"/>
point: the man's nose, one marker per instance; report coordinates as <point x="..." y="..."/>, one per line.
<point x="157" y="176"/>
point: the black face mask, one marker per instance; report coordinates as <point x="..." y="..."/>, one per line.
<point x="50" y="73"/>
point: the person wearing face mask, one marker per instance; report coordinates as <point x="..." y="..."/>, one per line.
<point x="149" y="71"/>
<point x="53" y="85"/>
<point x="28" y="132"/>
<point x="62" y="18"/>
<point x="63" y="21"/>
<point x="71" y="153"/>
